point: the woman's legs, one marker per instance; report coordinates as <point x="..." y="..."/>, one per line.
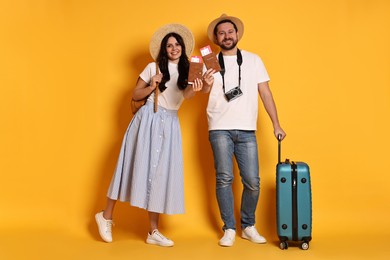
<point x="153" y="221"/>
<point x="108" y="211"/>
<point x="154" y="236"/>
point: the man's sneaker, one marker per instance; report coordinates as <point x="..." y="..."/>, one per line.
<point x="251" y="234"/>
<point x="104" y="227"/>
<point x="156" y="238"/>
<point x="228" y="238"/>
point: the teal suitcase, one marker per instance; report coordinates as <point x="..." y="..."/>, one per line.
<point x="293" y="202"/>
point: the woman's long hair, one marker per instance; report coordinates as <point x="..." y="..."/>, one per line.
<point x="183" y="65"/>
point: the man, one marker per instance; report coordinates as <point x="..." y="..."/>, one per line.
<point x="232" y="113"/>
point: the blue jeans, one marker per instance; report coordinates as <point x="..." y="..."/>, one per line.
<point x="243" y="145"/>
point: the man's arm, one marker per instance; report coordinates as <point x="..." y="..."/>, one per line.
<point x="270" y="107"/>
<point x="208" y="80"/>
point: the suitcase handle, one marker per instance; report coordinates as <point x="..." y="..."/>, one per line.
<point x="279" y="146"/>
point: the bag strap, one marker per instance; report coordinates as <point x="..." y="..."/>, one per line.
<point x="156" y="93"/>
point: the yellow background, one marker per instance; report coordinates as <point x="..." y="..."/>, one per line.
<point x="67" y="69"/>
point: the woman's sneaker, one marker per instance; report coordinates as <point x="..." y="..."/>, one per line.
<point x="156" y="238"/>
<point x="104" y="227"/>
<point x="251" y="234"/>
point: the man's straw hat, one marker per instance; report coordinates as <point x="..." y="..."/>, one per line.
<point x="235" y="20"/>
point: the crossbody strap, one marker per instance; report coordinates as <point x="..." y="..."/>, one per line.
<point x="156" y="93"/>
<point x="222" y="65"/>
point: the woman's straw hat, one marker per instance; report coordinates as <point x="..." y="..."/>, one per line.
<point x="180" y="29"/>
<point x="235" y="20"/>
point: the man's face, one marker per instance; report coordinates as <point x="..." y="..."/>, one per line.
<point x="227" y="36"/>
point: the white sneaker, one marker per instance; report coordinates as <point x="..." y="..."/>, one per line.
<point x="156" y="238"/>
<point x="104" y="227"/>
<point x="251" y="234"/>
<point x="228" y="238"/>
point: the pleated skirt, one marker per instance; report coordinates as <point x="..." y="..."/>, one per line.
<point x="149" y="171"/>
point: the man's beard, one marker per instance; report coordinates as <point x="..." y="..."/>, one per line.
<point x="228" y="48"/>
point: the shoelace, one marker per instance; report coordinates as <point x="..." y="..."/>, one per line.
<point x="253" y="231"/>
<point x="228" y="235"/>
<point x="160" y="235"/>
<point x="109" y="225"/>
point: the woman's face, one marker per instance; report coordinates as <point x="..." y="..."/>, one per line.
<point x="173" y="50"/>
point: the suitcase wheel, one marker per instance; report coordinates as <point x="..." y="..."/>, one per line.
<point x="283" y="245"/>
<point x="305" y="245"/>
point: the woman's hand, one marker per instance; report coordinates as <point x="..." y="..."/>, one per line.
<point x="197" y="85"/>
<point x="143" y="89"/>
<point x="156" y="79"/>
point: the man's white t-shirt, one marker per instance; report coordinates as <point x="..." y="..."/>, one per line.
<point x="240" y="113"/>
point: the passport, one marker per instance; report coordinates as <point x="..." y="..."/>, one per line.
<point x="196" y="69"/>
<point x="210" y="59"/>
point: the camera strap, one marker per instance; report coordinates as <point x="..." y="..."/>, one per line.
<point x="222" y="64"/>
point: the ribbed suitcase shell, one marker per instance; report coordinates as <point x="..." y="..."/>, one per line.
<point x="293" y="203"/>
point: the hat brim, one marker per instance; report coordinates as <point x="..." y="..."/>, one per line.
<point x="184" y="32"/>
<point x="235" y="20"/>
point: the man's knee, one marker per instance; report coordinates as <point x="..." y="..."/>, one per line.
<point x="252" y="184"/>
<point x="224" y="179"/>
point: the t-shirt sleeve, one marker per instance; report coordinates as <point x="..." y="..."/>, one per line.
<point x="147" y="74"/>
<point x="261" y="71"/>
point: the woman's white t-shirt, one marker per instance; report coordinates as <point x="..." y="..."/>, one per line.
<point x="172" y="97"/>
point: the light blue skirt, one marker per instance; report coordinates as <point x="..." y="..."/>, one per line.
<point x="149" y="171"/>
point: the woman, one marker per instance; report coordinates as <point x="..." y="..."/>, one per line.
<point x="149" y="172"/>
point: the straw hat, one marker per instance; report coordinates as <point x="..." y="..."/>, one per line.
<point x="184" y="32"/>
<point x="235" y="20"/>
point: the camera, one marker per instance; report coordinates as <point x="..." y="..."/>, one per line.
<point x="233" y="94"/>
